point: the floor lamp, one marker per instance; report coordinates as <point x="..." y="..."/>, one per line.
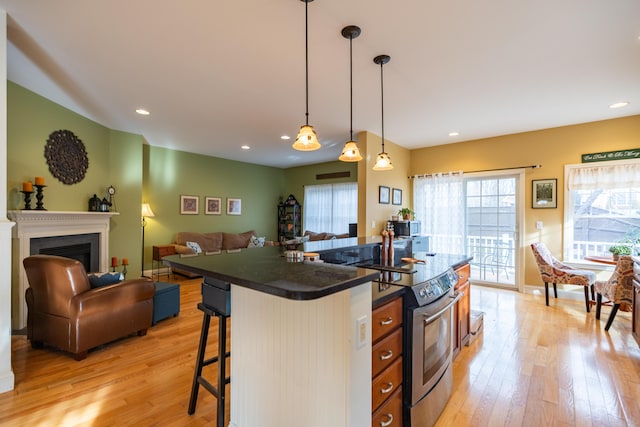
<point x="146" y="213"/>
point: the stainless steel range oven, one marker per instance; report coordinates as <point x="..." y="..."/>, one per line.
<point x="428" y="348"/>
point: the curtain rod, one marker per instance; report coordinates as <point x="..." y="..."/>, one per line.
<point x="483" y="170"/>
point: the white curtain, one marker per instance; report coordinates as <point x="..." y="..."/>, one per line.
<point x="604" y="177"/>
<point x="439" y="203"/>
<point x="330" y="207"/>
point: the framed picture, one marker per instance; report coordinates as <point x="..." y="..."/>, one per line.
<point x="189" y="205"/>
<point x="544" y="193"/>
<point x="213" y="206"/>
<point x="383" y="195"/>
<point x="397" y="196"/>
<point x="234" y="206"/>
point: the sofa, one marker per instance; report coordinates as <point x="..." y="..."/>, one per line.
<point x="313" y="236"/>
<point x="189" y="243"/>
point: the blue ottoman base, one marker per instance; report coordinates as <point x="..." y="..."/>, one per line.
<point x="166" y="301"/>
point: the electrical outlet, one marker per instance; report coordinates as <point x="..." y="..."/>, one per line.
<point x="373" y="224"/>
<point x="361" y="331"/>
<point x="538" y="225"/>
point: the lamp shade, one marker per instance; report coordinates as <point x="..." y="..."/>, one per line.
<point x="146" y="211"/>
<point x="307" y="139"/>
<point x="350" y="152"/>
<point x="383" y="162"/>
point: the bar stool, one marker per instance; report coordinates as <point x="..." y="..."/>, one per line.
<point x="198" y="380"/>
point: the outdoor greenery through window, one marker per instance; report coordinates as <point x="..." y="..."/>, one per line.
<point x="602" y="214"/>
<point x="330" y="207"/>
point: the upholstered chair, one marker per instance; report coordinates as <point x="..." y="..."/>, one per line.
<point x="554" y="271"/>
<point x="65" y="312"/>
<point x="618" y="289"/>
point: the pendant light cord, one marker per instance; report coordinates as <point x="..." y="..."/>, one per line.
<point x="382" y="102"/>
<point x="351" y="88"/>
<point x="306" y="58"/>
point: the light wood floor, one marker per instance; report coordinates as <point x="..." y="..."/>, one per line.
<point x="532" y="366"/>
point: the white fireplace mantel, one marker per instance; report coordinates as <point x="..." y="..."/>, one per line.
<point x="34" y="224"/>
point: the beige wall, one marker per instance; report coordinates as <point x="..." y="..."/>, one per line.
<point x="551" y="148"/>
<point x="372" y="216"/>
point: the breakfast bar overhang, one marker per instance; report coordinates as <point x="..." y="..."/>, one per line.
<point x="301" y="338"/>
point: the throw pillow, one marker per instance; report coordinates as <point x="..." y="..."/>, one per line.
<point x="256" y="242"/>
<point x="195" y="246"/>
<point x="99" y="280"/>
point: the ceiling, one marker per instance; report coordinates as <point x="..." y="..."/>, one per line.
<point x="217" y="75"/>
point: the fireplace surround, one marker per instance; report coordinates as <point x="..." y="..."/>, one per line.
<point x="49" y="229"/>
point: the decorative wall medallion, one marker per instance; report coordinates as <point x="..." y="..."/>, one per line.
<point x="66" y="157"/>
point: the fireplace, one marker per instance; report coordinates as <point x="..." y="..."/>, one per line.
<point x="79" y="235"/>
<point x="82" y="247"/>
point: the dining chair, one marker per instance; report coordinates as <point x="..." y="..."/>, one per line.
<point x="553" y="271"/>
<point x="618" y="289"/>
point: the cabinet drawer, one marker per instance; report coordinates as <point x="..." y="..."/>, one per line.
<point x="389" y="414"/>
<point x="386" y="318"/>
<point x="463" y="274"/>
<point x="385" y="384"/>
<point x="386" y="351"/>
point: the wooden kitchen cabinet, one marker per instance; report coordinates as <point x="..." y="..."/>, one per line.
<point x="386" y="364"/>
<point x="462" y="310"/>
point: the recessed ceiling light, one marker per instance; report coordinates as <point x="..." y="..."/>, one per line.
<point x="245" y="147"/>
<point x="285" y="137"/>
<point x="619" y="104"/>
<point x="453" y="134"/>
<point x="142" y="112"/>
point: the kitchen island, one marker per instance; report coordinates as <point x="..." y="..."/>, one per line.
<point x="301" y="338"/>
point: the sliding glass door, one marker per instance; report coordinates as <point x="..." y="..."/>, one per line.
<point x="492" y="228"/>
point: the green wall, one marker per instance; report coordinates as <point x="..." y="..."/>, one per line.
<point x="172" y="173"/>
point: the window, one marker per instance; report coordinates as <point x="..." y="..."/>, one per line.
<point x="330" y="207"/>
<point x="602" y="207"/>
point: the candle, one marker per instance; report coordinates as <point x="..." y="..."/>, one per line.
<point x="125" y="261"/>
<point x="114" y="261"/>
<point x="39" y="180"/>
<point x="27" y="186"/>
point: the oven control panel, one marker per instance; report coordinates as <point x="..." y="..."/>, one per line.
<point x="433" y="289"/>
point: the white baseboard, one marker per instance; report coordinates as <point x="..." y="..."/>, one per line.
<point x="7" y="382"/>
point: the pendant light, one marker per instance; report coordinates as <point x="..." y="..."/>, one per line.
<point x="383" y="161"/>
<point x="350" y="152"/>
<point x="307" y="139"/>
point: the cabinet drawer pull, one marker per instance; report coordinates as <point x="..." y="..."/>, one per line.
<point x="387" y="321"/>
<point x="388" y="422"/>
<point x="386" y="355"/>
<point x="388" y="389"/>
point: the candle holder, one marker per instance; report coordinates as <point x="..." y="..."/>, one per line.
<point x="27" y="200"/>
<point x="39" y="197"/>
<point x="124" y="270"/>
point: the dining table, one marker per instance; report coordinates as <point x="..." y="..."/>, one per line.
<point x="601" y="259"/>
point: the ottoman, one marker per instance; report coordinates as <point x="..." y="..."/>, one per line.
<point x="166" y="301"/>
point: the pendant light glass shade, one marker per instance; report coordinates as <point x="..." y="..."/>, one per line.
<point x="350" y="152"/>
<point x="307" y="139"/>
<point x="383" y="161"/>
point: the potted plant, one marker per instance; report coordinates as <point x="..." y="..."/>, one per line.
<point x="406" y="213"/>
<point x="620" y="249"/>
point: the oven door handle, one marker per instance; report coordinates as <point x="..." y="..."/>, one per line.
<point x="454" y="299"/>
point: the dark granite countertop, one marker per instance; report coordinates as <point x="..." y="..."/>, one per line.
<point x="266" y="270"/>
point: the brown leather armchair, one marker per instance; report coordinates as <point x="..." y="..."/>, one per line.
<point x="65" y="312"/>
